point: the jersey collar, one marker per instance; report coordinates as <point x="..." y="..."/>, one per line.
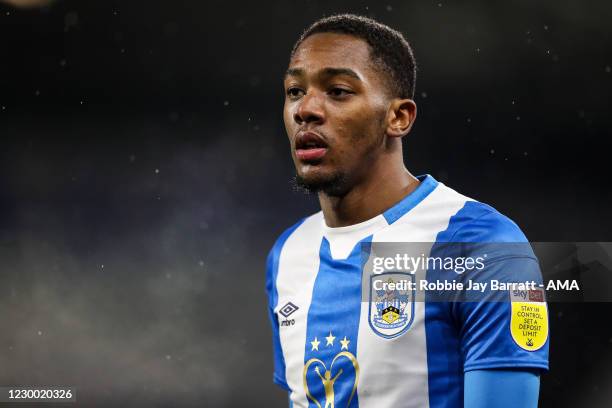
<point x="428" y="184"/>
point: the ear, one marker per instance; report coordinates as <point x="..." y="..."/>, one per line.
<point x="400" y="117"/>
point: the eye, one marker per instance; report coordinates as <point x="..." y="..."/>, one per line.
<point x="338" y="92"/>
<point x="294" y="92"/>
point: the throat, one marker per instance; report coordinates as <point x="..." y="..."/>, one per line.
<point x="365" y="202"/>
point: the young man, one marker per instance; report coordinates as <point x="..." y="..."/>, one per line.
<point x="349" y="90"/>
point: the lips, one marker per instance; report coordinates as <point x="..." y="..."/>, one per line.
<point x="309" y="146"/>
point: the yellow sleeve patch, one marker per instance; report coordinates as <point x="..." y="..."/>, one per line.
<point x="529" y="319"/>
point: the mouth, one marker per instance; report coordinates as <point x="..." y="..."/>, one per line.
<point x="310" y="147"/>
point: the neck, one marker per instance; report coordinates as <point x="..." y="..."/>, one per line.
<point x="383" y="187"/>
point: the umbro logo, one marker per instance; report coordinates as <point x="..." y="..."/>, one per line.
<point x="287" y="311"/>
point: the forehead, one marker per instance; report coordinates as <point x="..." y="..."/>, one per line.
<point x="332" y="49"/>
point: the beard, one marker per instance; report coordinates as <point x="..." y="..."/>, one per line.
<point x="335" y="185"/>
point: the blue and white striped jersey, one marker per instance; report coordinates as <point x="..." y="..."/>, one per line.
<point x="326" y="351"/>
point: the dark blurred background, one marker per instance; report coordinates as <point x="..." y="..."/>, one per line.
<point x="145" y="173"/>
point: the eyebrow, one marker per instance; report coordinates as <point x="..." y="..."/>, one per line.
<point x="328" y="72"/>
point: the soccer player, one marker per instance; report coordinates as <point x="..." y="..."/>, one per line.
<point x="348" y="103"/>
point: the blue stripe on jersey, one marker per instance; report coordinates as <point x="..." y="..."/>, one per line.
<point x="456" y="332"/>
<point x="334" y="317"/>
<point x="444" y="362"/>
<point x="428" y="184"/>
<point x="279" y="376"/>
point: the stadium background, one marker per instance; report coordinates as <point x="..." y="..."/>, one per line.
<point x="145" y="173"/>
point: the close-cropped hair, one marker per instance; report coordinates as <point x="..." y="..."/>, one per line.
<point x="389" y="50"/>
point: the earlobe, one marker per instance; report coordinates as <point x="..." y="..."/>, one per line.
<point x="401" y="116"/>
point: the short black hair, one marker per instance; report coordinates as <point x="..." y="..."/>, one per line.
<point x="388" y="48"/>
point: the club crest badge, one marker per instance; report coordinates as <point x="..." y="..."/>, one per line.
<point x="391" y="305"/>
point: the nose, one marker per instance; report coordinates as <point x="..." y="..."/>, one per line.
<point x="309" y="110"/>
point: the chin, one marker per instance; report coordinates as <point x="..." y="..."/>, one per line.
<point x="334" y="184"/>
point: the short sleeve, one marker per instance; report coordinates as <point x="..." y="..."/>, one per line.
<point x="485" y="327"/>
<point x="506" y="327"/>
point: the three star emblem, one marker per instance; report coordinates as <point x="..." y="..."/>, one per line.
<point x="329" y="342"/>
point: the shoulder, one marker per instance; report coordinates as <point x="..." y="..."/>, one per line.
<point x="479" y="222"/>
<point x="302" y="229"/>
<point x="293" y="237"/>
<point x="481" y="229"/>
<point x="474" y="221"/>
<point x="448" y="216"/>
<point x="456" y="218"/>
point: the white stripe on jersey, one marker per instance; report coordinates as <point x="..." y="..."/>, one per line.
<point x="421" y="224"/>
<point x="297" y="270"/>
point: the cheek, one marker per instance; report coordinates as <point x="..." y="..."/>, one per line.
<point x="359" y="133"/>
<point x="288" y="119"/>
<point x="359" y="127"/>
